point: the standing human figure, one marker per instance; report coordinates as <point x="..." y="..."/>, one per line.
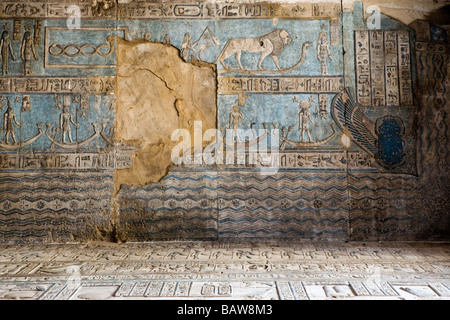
<point x="6" y="49"/>
<point x="26" y="51"/>
<point x="9" y="119"/>
<point x="64" y="122"/>
<point x="235" y="115"/>
<point x="186" y="47"/>
<point x="305" y="116"/>
<point x="323" y="50"/>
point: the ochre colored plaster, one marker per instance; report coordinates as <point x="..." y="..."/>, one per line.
<point x="157" y="93"/>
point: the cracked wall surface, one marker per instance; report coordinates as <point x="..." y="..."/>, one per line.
<point x="158" y="93"/>
<point x="352" y="96"/>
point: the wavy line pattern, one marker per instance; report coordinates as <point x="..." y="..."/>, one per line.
<point x="239" y="204"/>
<point x="45" y="207"/>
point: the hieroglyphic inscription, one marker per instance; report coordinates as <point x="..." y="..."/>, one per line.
<point x="404" y="68"/>
<point x="227" y="10"/>
<point x="377" y="68"/>
<point x="383" y="68"/>
<point x="391" y="68"/>
<point x="42" y="9"/>
<point x="37" y="32"/>
<point x="17" y="29"/>
<point x="236" y="85"/>
<point x="65" y="161"/>
<point x="323" y="105"/>
<point x="23" y="10"/>
<point x="170" y="10"/>
<point x="362" y="68"/>
<point x="91" y="85"/>
<point x="303" y="160"/>
<point x="334" y="32"/>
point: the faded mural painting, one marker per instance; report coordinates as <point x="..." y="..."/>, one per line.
<point x="355" y="118"/>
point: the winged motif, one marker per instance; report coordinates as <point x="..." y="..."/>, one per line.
<point x="382" y="139"/>
<point x="349" y="117"/>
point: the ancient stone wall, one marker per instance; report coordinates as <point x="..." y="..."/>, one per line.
<point x="321" y="120"/>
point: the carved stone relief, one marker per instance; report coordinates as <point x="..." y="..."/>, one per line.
<point x="355" y="119"/>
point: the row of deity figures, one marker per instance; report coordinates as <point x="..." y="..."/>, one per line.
<point x="27" y="52"/>
<point x="65" y="120"/>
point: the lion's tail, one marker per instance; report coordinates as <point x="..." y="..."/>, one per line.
<point x="222" y="52"/>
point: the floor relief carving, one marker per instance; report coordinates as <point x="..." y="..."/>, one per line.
<point x="204" y="270"/>
<point x="141" y="121"/>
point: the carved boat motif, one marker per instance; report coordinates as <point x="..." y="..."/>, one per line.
<point x="73" y="145"/>
<point x="110" y="141"/>
<point x="312" y="144"/>
<point x="19" y="145"/>
<point x="247" y="143"/>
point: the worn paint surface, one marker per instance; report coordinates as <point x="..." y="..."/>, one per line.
<point x="197" y="270"/>
<point x="87" y="117"/>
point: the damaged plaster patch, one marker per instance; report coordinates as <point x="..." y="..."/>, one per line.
<point x="157" y="93"/>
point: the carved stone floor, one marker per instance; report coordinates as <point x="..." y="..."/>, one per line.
<point x="232" y="270"/>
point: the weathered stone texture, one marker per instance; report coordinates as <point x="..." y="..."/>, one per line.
<point x="158" y="93"/>
<point x="361" y="140"/>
